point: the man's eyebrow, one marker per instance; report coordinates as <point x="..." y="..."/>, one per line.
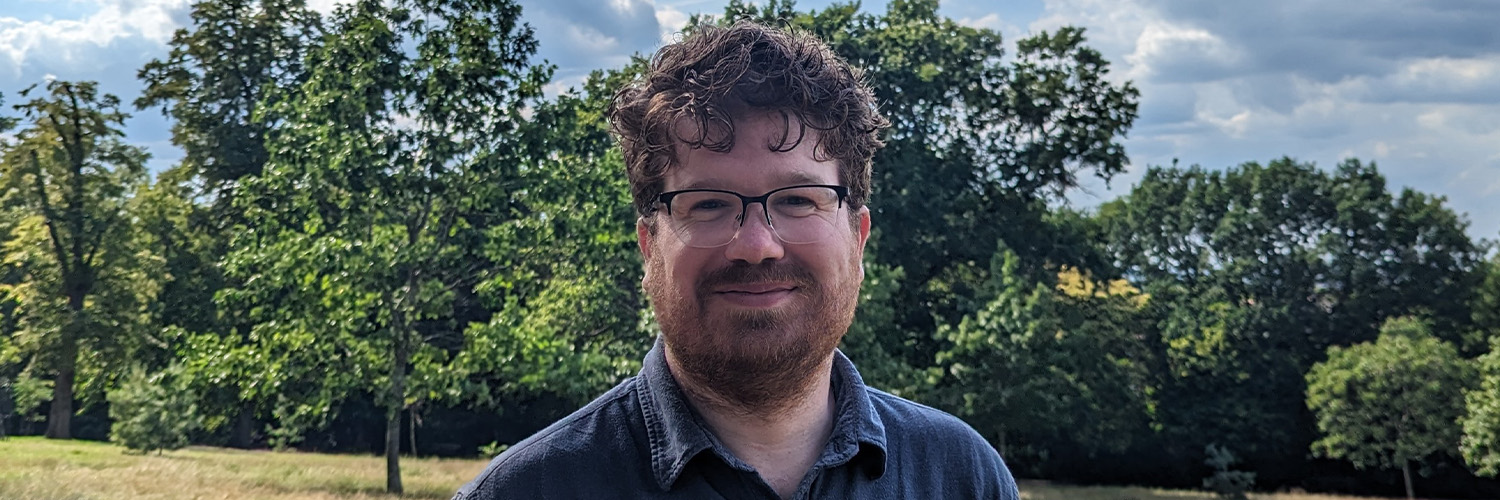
<point x="801" y="177"/>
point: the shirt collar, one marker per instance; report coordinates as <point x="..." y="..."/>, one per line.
<point x="677" y="434"/>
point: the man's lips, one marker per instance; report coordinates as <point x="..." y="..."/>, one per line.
<point x="756" y="295"/>
<point x="756" y="288"/>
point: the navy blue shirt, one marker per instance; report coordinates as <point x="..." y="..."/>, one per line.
<point x="642" y="440"/>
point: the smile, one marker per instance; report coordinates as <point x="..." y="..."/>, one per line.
<point x="756" y="295"/>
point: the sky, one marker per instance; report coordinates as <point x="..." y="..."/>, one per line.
<point x="1412" y="85"/>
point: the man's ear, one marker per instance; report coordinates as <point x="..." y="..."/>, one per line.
<point x="643" y="237"/>
<point x="864" y="236"/>
<point x="864" y="226"/>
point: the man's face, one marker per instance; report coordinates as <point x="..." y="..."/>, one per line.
<point x="753" y="319"/>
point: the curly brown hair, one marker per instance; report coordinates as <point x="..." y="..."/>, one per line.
<point x="694" y="89"/>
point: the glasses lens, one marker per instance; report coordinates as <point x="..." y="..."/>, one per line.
<point x="705" y="219"/>
<point x="709" y="219"/>
<point x="803" y="214"/>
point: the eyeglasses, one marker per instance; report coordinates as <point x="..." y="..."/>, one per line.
<point x="708" y="218"/>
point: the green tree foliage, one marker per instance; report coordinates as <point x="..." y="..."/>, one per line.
<point x="218" y="75"/>
<point x="1049" y="364"/>
<point x="875" y="331"/>
<point x="1389" y="403"/>
<point x="1481" y="422"/>
<point x="29" y="393"/>
<point x="174" y="226"/>
<point x="566" y="282"/>
<point x="1227" y="483"/>
<point x="1256" y="270"/>
<point x="215" y="79"/>
<point x="359" y="258"/>
<point x="68" y="179"/>
<point x="153" y="411"/>
<point x="1486" y="304"/>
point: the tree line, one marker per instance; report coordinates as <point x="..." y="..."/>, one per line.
<point x="384" y="236"/>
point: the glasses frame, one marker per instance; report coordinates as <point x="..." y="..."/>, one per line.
<point x="665" y="200"/>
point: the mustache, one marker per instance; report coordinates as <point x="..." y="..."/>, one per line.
<point x="757" y="273"/>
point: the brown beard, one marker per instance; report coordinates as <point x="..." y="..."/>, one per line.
<point x="752" y="362"/>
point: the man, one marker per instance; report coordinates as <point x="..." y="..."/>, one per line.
<point x="748" y="151"/>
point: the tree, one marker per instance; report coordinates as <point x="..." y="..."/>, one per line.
<point x="1255" y="270"/>
<point x="1389" y="403"/>
<point x="216" y="78"/>
<point x="153" y="412"/>
<point x="570" y="317"/>
<point x="1049" y="364"/>
<point x="1480" y="444"/>
<point x="219" y="74"/>
<point x="1486" y="303"/>
<point x="72" y="175"/>
<point x="361" y="253"/>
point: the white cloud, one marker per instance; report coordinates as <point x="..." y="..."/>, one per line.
<point x="1462" y="71"/>
<point x="671" y="21"/>
<point x="75" y="42"/>
<point x="1412" y="86"/>
<point x="989" y="21"/>
<point x="582" y="35"/>
<point x="325" y="7"/>
<point x="1432" y="120"/>
<point x="1113" y="26"/>
<point x="1164" y="51"/>
<point x="154" y="20"/>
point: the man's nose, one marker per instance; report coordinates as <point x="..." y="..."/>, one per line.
<point x="755" y="240"/>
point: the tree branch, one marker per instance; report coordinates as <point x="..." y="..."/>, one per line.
<point x="48" y="213"/>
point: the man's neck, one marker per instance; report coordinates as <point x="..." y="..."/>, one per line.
<point x="781" y="444"/>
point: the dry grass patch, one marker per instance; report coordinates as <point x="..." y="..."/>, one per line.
<point x="1043" y="490"/>
<point x="41" y="469"/>
<point x="80" y="470"/>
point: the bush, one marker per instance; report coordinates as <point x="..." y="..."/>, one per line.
<point x="1228" y="484"/>
<point x="153" y="412"/>
<point x="494" y="449"/>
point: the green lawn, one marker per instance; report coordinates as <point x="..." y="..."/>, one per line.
<point x="38" y="469"/>
<point x="35" y="468"/>
<point x="1042" y="490"/>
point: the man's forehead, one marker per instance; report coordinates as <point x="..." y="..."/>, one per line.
<point x="769" y="149"/>
<point x="764" y="128"/>
<point x="771" y="178"/>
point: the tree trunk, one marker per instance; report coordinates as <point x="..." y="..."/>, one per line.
<point x="411" y="433"/>
<point x="244" y="428"/>
<point x="60" y="417"/>
<point x="1003" y="445"/>
<point x="393" y="418"/>
<point x="1406" y="474"/>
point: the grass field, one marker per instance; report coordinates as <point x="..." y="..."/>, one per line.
<point x="38" y="469"/>
<point x="1041" y="490"/>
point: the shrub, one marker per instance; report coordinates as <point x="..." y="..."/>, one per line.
<point x="1228" y="484"/>
<point x="153" y="412"/>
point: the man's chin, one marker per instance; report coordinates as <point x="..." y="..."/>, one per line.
<point x="751" y="368"/>
<point x="749" y="336"/>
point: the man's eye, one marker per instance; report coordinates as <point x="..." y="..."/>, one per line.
<point x="797" y="201"/>
<point x="709" y="205"/>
